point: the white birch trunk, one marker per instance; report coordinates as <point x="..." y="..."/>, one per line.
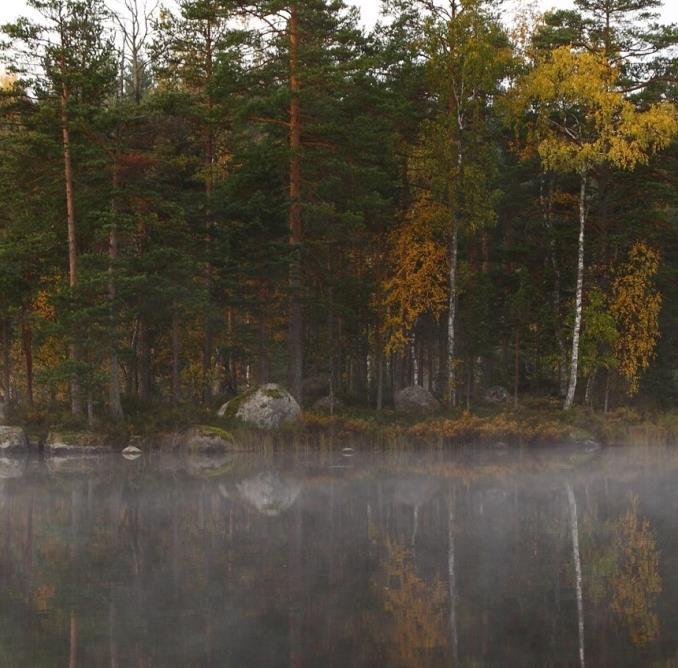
<point x="574" y="361"/>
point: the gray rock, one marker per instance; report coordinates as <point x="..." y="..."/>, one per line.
<point x="415" y="400"/>
<point x="496" y="395"/>
<point x="323" y="404"/>
<point x="268" y="407"/>
<point x="12" y="439"/>
<point x="314" y="387"/>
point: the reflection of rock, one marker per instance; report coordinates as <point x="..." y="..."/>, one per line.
<point x="323" y="404"/>
<point x="13" y="439"/>
<point x="415" y="400"/>
<point x="268" y="493"/>
<point x="267" y="407"/>
<point x="209" y="466"/>
<point x="86" y="464"/>
<point x="12" y="467"/>
<point x="496" y="395"/>
<point x="132" y="452"/>
<point x="198" y="440"/>
<point x="415" y="491"/>
<point x="75" y="443"/>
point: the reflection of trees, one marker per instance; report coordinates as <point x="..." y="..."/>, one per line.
<point x="413" y="631"/>
<point x="636" y="583"/>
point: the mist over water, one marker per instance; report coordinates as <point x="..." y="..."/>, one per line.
<point x="471" y="557"/>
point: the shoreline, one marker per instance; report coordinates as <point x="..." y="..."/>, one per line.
<point x="524" y="427"/>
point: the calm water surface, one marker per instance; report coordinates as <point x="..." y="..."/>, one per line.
<point x="549" y="557"/>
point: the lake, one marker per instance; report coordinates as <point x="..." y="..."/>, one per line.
<point x="471" y="557"/>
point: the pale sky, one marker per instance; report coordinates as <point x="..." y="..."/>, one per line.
<point x="10" y="9"/>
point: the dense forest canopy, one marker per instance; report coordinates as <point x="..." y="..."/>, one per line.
<point x="203" y="197"/>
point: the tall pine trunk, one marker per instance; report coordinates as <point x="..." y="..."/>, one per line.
<point x="114" y="401"/>
<point x="296" y="326"/>
<point x="76" y="399"/>
<point x="574" y="361"/>
<point x="27" y="346"/>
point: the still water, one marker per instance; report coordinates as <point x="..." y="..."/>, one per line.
<point x="472" y="557"/>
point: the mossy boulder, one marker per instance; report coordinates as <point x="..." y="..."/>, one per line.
<point x="415" y="400"/>
<point x="12" y="439"/>
<point x="76" y="443"/>
<point x="267" y="407"/>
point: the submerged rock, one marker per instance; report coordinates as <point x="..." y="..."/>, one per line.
<point x="13" y="439"/>
<point x="268" y="407"/>
<point x="415" y="400"/>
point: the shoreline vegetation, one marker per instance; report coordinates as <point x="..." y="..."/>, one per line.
<point x="534" y="424"/>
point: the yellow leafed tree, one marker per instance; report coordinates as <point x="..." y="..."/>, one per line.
<point x="636" y="305"/>
<point x="417" y="280"/>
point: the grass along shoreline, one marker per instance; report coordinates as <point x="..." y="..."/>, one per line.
<point x="534" y="423"/>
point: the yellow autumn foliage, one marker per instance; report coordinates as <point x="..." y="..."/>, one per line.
<point x="582" y="119"/>
<point x="636" y="305"/>
<point x="416" y="611"/>
<point x="637" y="584"/>
<point x="416" y="283"/>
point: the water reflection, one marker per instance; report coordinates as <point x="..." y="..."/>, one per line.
<point x="471" y="558"/>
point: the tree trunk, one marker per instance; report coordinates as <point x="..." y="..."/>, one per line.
<point x="7" y="360"/>
<point x="380" y="367"/>
<point x="143" y="355"/>
<point x="114" y="402"/>
<point x="76" y="399"/>
<point x="516" y="369"/>
<point x="296" y="330"/>
<point x="176" y="361"/>
<point x="451" y="318"/>
<point x="27" y="346"/>
<point x="574" y="361"/>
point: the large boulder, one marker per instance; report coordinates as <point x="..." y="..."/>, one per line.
<point x="415" y="400"/>
<point x="267" y="407"/>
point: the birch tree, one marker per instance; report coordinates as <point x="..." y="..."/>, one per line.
<point x="581" y="121"/>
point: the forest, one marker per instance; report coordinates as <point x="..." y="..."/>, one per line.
<point x="203" y="197"/>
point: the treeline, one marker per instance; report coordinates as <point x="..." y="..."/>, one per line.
<point x="200" y="198"/>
